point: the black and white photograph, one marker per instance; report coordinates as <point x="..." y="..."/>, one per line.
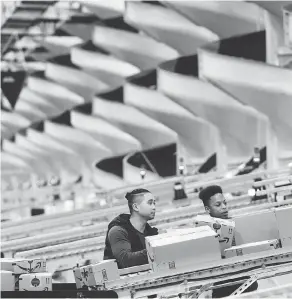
<point x="146" y="149"/>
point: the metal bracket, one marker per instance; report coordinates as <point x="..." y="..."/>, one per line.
<point x="199" y="292"/>
<point x="245" y="285"/>
<point x="193" y="292"/>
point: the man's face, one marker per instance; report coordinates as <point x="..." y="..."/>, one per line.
<point x="217" y="206"/>
<point x="146" y="206"/>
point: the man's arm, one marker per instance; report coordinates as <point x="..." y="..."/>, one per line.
<point x="121" y="248"/>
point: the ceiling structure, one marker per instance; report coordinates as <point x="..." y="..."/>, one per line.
<point x="88" y="59"/>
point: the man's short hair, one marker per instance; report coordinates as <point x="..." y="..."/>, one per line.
<point x="208" y="192"/>
<point x="130" y="196"/>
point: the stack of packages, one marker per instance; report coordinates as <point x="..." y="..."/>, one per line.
<point x="261" y="231"/>
<point x="182" y="249"/>
<point x="25" y="275"/>
<point x="94" y="276"/>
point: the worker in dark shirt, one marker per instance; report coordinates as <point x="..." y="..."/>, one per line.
<point x="125" y="239"/>
<point x="216" y="206"/>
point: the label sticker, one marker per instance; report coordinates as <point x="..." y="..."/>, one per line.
<point x="104" y="275"/>
<point x="171" y="265"/>
<point x="35" y="282"/>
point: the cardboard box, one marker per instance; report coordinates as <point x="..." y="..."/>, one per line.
<point x="176" y="232"/>
<point x="7" y="281"/>
<point x="256" y="227"/>
<point x="251" y="248"/>
<point x="102" y="272"/>
<point x="173" y="233"/>
<point x="183" y="251"/>
<point x="78" y="278"/>
<point x="134" y="269"/>
<point x="97" y="274"/>
<point x="224" y="228"/>
<point x="284" y="225"/>
<point x="35" y="282"/>
<point x="7" y="264"/>
<point x="22" y="266"/>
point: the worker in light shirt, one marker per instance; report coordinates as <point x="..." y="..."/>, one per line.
<point x="216" y="206"/>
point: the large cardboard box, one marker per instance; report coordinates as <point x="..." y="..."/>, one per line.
<point x="251" y="248"/>
<point x="183" y="251"/>
<point x="175" y="232"/>
<point x="224" y="228"/>
<point x="35" y="282"/>
<point x="7" y="281"/>
<point x="22" y="266"/>
<point x="7" y="264"/>
<point x="97" y="274"/>
<point x="256" y="227"/>
<point x="284" y="224"/>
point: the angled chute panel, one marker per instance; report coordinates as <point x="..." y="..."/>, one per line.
<point x="205" y="100"/>
<point x="148" y="131"/>
<point x="55" y="93"/>
<point x="224" y="18"/>
<point x="29" y="111"/>
<point x="114" y="138"/>
<point x="139" y="50"/>
<point x="269" y="91"/>
<point x="195" y="135"/>
<point x="75" y="80"/>
<point x="38" y="101"/>
<point x="168" y="26"/>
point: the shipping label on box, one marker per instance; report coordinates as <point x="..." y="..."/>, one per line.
<point x="251" y="248"/>
<point x="284" y="225"/>
<point x="84" y="275"/>
<point x="29" y="266"/>
<point x="224" y="228"/>
<point x="7" y="281"/>
<point x="35" y="282"/>
<point x="183" y="251"/>
<point x="102" y="272"/>
<point x="78" y="278"/>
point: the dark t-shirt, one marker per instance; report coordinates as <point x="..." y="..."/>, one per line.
<point x="121" y="248"/>
<point x="227" y="291"/>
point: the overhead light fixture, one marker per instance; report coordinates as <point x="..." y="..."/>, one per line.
<point x="241" y="166"/>
<point x="256" y="157"/>
<point x="75" y="5"/>
<point x="229" y="175"/>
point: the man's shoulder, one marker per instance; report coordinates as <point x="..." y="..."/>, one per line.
<point x="117" y="230"/>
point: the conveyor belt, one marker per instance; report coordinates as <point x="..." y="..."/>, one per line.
<point x="79" y="214"/>
<point x="15" y="232"/>
<point x="179" y="217"/>
<point x="279" y="261"/>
